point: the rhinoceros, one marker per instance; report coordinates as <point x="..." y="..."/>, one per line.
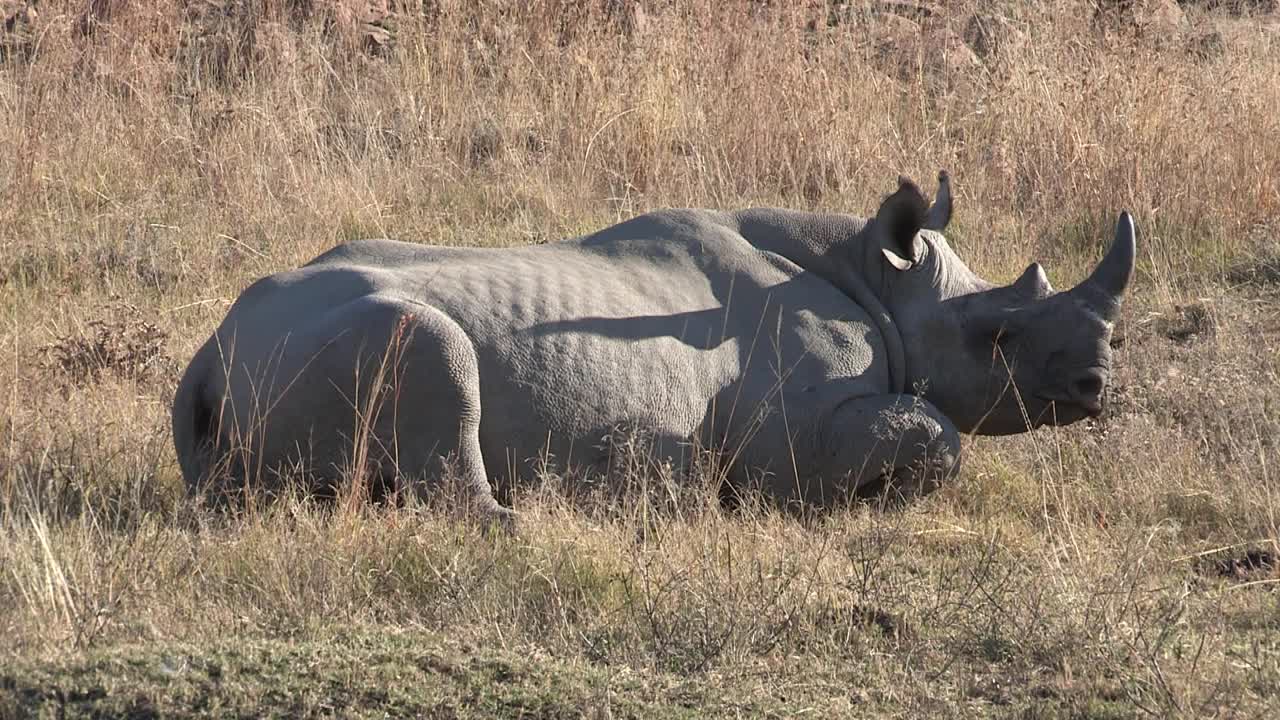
<point x="832" y="356"/>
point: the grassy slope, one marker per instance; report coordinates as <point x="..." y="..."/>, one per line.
<point x="1077" y="572"/>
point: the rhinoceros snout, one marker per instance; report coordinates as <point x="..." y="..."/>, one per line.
<point x="1085" y="389"/>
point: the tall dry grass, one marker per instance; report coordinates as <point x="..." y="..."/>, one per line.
<point x="160" y="157"/>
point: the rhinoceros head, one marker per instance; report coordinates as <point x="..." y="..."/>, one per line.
<point x="996" y="360"/>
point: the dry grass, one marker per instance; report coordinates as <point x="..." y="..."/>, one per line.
<point x="164" y="158"/>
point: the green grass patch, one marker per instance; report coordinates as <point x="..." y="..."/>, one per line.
<point x="348" y="675"/>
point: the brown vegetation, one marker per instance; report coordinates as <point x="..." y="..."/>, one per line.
<point x="165" y="154"/>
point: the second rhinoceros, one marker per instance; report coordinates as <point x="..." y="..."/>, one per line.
<point x="830" y="356"/>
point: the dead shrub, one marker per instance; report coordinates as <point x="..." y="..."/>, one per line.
<point x="28" y="266"/>
<point x="1261" y="266"/>
<point x="1190" y="323"/>
<point x="124" y="346"/>
<point x="1241" y="564"/>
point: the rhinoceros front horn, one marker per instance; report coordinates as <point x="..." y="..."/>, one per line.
<point x="1105" y="287"/>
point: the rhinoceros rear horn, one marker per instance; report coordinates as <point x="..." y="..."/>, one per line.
<point x="898" y="221"/>
<point x="1105" y="287"/>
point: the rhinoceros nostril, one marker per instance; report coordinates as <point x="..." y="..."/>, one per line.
<point x="1086" y="388"/>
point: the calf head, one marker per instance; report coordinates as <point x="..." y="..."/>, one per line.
<point x="995" y="359"/>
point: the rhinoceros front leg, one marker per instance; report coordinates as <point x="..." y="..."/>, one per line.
<point x="890" y="447"/>
<point x="895" y="448"/>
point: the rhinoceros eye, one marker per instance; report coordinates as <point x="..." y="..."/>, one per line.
<point x="1005" y="335"/>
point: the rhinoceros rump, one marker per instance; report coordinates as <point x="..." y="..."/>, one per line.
<point x="831" y="356"/>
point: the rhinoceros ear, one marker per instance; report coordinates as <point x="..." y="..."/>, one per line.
<point x="940" y="212"/>
<point x="898" y="224"/>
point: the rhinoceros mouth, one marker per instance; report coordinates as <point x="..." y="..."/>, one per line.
<point x="1082" y="394"/>
<point x="1062" y="411"/>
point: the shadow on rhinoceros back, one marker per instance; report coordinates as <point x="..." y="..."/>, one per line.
<point x="828" y="356"/>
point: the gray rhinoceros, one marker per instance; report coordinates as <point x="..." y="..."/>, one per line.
<point x="831" y="356"/>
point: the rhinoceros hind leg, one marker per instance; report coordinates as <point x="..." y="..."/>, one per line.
<point x="433" y="430"/>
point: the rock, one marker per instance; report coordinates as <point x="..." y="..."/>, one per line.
<point x="367" y="25"/>
<point x="17" y="29"/>
<point x="628" y="16"/>
<point x="1163" y="16"/>
<point x="1206" y="44"/>
<point x="484" y="144"/>
<point x="1149" y="18"/>
<point x="890" y="32"/>
<point x="990" y="34"/>
<point x="918" y="10"/>
<point x="935" y="52"/>
<point x="952" y="58"/>
<point x="98" y="12"/>
<point x="378" y="37"/>
<point x="1235" y="8"/>
<point x="357" y="140"/>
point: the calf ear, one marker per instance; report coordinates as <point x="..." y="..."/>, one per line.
<point x="898" y="224"/>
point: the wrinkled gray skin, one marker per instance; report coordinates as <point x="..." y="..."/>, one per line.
<point x="831" y="356"/>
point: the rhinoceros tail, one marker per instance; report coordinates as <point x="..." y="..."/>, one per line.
<point x="194" y="420"/>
